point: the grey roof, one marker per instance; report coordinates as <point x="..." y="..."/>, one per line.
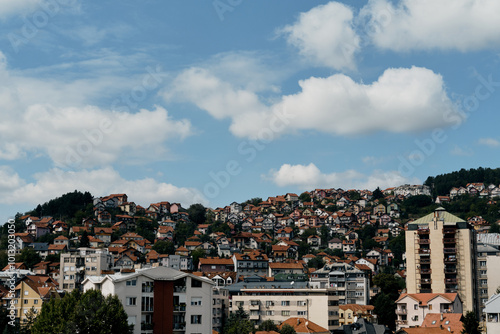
<point x="365" y="327"/>
<point x="489" y="238"/>
<point x="446" y="216"/>
<point x="492" y="305"/>
<point x="39" y="246"/>
<point x="267" y="285"/>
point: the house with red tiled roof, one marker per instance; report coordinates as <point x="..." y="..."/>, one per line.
<point x="294" y="268"/>
<point x="348" y="313"/>
<point x="58" y="248"/>
<point x="411" y="309"/>
<point x="303" y="326"/>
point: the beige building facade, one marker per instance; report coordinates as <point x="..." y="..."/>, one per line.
<point x="441" y="257"/>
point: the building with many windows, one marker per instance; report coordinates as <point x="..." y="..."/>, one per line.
<point x="441" y="257"/>
<point x="161" y="299"/>
<point x="77" y="264"/>
<point x="278" y="301"/>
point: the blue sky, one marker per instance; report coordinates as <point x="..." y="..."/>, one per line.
<point x="221" y="101"/>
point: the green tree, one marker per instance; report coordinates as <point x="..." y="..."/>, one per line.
<point x="385" y="308"/>
<point x="197" y="213"/>
<point x="164" y="247"/>
<point x="196" y="255"/>
<point x="471" y="324"/>
<point x="305" y="197"/>
<point x="287" y="329"/>
<point x="84" y="240"/>
<point x="316" y="262"/>
<point x="377" y="194"/>
<point x="268" y="325"/>
<point x="86" y="313"/>
<point x="238" y="323"/>
<point x="28" y="322"/>
<point x="29" y="256"/>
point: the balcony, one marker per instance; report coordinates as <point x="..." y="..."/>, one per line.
<point x="180" y="326"/>
<point x="425" y="261"/>
<point x="423" y="231"/>
<point x="401" y="311"/>
<point x="425" y="281"/>
<point x="450" y="260"/>
<point x="181" y="289"/>
<point x="254" y="317"/>
<point x="425" y="271"/>
<point x="402" y="322"/>
<point x="254" y="305"/>
<point x="424" y="241"/>
<point x="449" y="240"/>
<point x="450" y="281"/>
<point x="449" y="250"/>
<point x="424" y="251"/>
<point x="450" y="270"/>
<point x="451" y="290"/>
<point x="180" y="308"/>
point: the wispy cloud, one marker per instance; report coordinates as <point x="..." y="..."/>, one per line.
<point x="491" y="142"/>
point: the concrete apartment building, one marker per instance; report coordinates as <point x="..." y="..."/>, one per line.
<point x="160" y="300"/>
<point x="492" y="312"/>
<point x="278" y="301"/>
<point x="441" y="257"/>
<point x="350" y="284"/>
<point x="82" y="262"/>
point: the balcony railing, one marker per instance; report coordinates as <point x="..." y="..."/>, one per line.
<point x="425" y="271"/>
<point x="424" y="251"/>
<point x="450" y="260"/>
<point x="450" y="281"/>
<point x="425" y="281"/>
<point x="425" y="261"/>
<point x="401" y="311"/>
<point x="401" y="322"/>
<point x="423" y="231"/>
<point x="449" y="230"/>
<point x="450" y="270"/>
<point x="179" y="288"/>
<point x="180" y="308"/>
<point x="449" y="240"/>
<point x="449" y="250"/>
<point x="424" y="241"/>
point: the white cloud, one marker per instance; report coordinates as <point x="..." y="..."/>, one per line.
<point x="9" y="7"/>
<point x="99" y="182"/>
<point x="401" y="100"/>
<point x="325" y="36"/>
<point x="307" y="177"/>
<point x="462" y="151"/>
<point x="462" y="25"/>
<point x="491" y="142"/>
<point x="52" y="117"/>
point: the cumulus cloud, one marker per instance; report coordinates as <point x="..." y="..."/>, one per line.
<point x="491" y="142"/>
<point x="98" y="182"/>
<point x="462" y="25"/>
<point x="9" y="7"/>
<point x="42" y="118"/>
<point x="310" y="176"/>
<point x="401" y="100"/>
<point x="325" y="36"/>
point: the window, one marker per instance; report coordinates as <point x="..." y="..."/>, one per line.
<point x="195" y="284"/>
<point x="196" y="319"/>
<point x="285" y="313"/>
<point x="269" y="303"/>
<point x="285" y="303"/>
<point x="196" y="301"/>
<point x="301" y="303"/>
<point x="131" y="301"/>
<point x="482" y="263"/>
<point x="26" y="292"/>
<point x="25" y="301"/>
<point x="147" y="304"/>
<point x="303" y="313"/>
<point x="269" y="312"/>
<point x="132" y="282"/>
<point x="415" y="307"/>
<point x="35" y="301"/>
<point x="147" y="287"/>
<point x="430" y="307"/>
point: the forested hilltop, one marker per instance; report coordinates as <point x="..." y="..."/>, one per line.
<point x="441" y="184"/>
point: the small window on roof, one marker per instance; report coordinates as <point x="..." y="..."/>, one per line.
<point x="434" y="322"/>
<point x="447" y="322"/>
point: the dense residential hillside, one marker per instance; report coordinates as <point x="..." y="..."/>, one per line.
<point x="443" y="183"/>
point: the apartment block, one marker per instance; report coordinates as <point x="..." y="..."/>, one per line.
<point x="77" y="264"/>
<point x="161" y="299"/>
<point x="441" y="257"/>
<point x="351" y="285"/>
<point x="278" y="301"/>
